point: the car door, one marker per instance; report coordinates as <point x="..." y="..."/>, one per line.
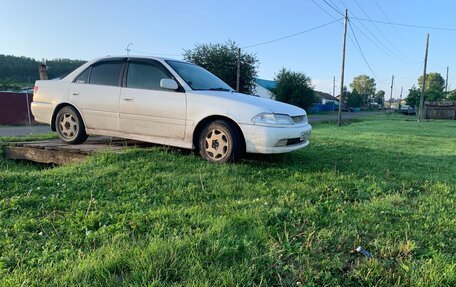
<point x="145" y="107"/>
<point x="96" y="93"/>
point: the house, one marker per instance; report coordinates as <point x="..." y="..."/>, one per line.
<point x="263" y="88"/>
<point x="394" y="103"/>
<point x="324" y="98"/>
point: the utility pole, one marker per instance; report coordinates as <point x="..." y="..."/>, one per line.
<point x="446" y="81"/>
<point x="238" y="72"/>
<point x="400" y="98"/>
<point x="421" y="107"/>
<point x="334" y="86"/>
<point x="339" y="120"/>
<point x="391" y="94"/>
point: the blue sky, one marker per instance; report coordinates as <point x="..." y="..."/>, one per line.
<point x="87" y="29"/>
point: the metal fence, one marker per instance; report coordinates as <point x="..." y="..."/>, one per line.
<point x="440" y="110"/>
<point x="15" y="108"/>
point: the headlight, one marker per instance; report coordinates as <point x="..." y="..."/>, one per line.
<point x="273" y="119"/>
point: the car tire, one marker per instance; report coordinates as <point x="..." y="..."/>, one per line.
<point x="220" y="142"/>
<point x="69" y="126"/>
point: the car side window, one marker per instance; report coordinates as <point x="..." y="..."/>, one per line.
<point x="83" y="78"/>
<point x="142" y="75"/>
<point x="106" y="73"/>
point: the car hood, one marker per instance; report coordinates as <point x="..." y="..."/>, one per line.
<point x="266" y="104"/>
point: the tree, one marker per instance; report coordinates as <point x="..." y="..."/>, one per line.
<point x="452" y="95"/>
<point x="435" y="86"/>
<point x="355" y="100"/>
<point x="379" y="97"/>
<point x="294" y="88"/>
<point x="221" y="60"/>
<point x="9" y="85"/>
<point x="23" y="71"/>
<point x="365" y="87"/>
<point x="413" y="98"/>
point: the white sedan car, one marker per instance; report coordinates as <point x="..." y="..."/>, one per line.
<point x="167" y="102"/>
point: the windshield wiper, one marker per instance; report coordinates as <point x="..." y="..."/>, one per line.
<point x="219" y="89"/>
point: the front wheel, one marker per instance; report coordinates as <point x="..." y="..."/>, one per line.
<point x="220" y="142"/>
<point x="69" y="126"/>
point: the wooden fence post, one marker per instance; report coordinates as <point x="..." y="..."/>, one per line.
<point x="43" y="72"/>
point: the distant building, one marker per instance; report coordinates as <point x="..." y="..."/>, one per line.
<point x="263" y="88"/>
<point x="324" y="98"/>
<point x="393" y="103"/>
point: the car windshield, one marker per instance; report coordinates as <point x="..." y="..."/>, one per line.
<point x="198" y="78"/>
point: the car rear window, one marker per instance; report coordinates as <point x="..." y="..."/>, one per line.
<point x="106" y="73"/>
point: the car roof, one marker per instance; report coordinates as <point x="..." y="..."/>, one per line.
<point x="135" y="56"/>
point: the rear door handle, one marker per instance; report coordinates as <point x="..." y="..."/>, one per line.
<point x="127" y="99"/>
<point x="75" y="94"/>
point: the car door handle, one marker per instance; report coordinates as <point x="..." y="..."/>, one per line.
<point x="127" y="99"/>
<point x="75" y="94"/>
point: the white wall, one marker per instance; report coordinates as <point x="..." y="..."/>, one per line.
<point x="324" y="101"/>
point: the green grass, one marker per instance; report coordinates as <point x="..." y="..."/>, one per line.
<point x="164" y="217"/>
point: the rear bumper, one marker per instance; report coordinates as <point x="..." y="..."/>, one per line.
<point x="42" y="112"/>
<point x="262" y="139"/>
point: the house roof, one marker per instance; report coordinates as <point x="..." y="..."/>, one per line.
<point x="326" y="96"/>
<point x="267" y="84"/>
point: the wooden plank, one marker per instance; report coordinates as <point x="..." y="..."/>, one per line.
<point x="42" y="155"/>
<point x="31" y="142"/>
<point x="57" y="152"/>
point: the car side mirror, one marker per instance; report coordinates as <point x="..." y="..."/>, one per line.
<point x="168" y="84"/>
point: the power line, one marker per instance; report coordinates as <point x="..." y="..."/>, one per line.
<point x="291" y="35"/>
<point x="324" y="10"/>
<point x="362" y="54"/>
<point x="406" y="78"/>
<point x="394" y="28"/>
<point x="332" y="7"/>
<point x="330" y="15"/>
<point x="386" y="51"/>
<point x="380" y="31"/>
<point x="349" y="36"/>
<point x="406" y="25"/>
<point x="376" y="42"/>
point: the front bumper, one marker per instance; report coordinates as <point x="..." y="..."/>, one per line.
<point x="264" y="139"/>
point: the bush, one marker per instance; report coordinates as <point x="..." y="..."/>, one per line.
<point x="294" y="88"/>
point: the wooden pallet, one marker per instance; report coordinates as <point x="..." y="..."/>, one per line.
<point x="57" y="152"/>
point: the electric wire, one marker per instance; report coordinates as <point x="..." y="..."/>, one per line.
<point x="324" y="10"/>
<point x="381" y="33"/>
<point x="406" y="25"/>
<point x="394" y="28"/>
<point x="332" y="7"/>
<point x="385" y="49"/>
<point x="291" y="35"/>
<point x="362" y="54"/>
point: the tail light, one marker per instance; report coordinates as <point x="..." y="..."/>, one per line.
<point x="35" y="89"/>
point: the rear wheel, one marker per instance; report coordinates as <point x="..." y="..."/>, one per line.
<point x="220" y="142"/>
<point x="69" y="126"/>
